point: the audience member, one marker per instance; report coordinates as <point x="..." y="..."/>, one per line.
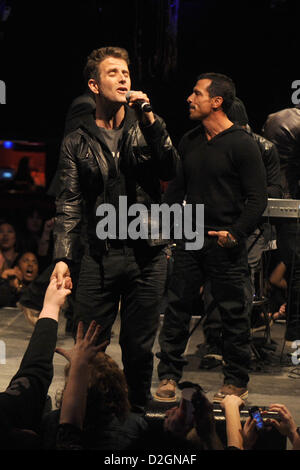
<point x="278" y="292"/>
<point x="74" y="403"/>
<point x="22" y="403"/>
<point x="15" y="280"/>
<point x="95" y="410"/>
<point x="23" y="180"/>
<point x="285" y="424"/>
<point x="199" y="428"/>
<point x="8" y="245"/>
<point x="193" y="419"/>
<point x="191" y="425"/>
<point x="37" y="236"/>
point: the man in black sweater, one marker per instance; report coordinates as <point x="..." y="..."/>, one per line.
<point x="256" y="242"/>
<point x="220" y="167"/>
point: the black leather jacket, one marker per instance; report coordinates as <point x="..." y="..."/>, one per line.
<point x="283" y="129"/>
<point x="86" y="168"/>
<point x="271" y="161"/>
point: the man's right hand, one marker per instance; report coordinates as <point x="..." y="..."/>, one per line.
<point x="60" y="271"/>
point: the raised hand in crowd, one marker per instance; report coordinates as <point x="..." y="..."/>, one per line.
<point x="75" y="394"/>
<point x="23" y="402"/>
<point x="13" y="275"/>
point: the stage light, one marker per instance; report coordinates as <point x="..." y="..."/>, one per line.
<point x="8" y="144"/>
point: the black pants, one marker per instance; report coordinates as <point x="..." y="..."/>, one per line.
<point x="228" y="274"/>
<point x="135" y="277"/>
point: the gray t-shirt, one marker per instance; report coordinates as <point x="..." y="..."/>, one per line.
<point x="112" y="138"/>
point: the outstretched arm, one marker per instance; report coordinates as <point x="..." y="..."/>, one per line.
<point x="231" y="405"/>
<point x="75" y="393"/>
<point x="24" y="399"/>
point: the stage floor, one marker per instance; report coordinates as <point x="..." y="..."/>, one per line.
<point x="276" y="380"/>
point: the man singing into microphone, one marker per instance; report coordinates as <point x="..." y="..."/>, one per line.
<point x="117" y="149"/>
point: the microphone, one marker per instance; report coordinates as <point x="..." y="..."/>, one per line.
<point x="140" y="104"/>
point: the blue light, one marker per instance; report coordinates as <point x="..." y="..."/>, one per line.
<point x="7" y="144"/>
<point x="7" y="174"/>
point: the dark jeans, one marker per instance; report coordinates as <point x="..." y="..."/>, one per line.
<point x="212" y="324"/>
<point x="227" y="271"/>
<point x="288" y="242"/>
<point x="135" y="277"/>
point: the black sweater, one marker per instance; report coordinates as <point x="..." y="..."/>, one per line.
<point x="226" y="174"/>
<point x="22" y="404"/>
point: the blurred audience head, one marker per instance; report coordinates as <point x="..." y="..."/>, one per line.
<point x="8" y="236"/>
<point x="107" y="392"/>
<point x="34" y="221"/>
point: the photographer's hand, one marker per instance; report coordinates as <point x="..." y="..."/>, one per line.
<point x="249" y="433"/>
<point x="286" y="426"/>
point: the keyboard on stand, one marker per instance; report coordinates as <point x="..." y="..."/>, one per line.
<point x="282" y="208"/>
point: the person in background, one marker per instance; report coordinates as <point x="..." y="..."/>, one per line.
<point x="283" y="129"/>
<point x="94" y="411"/>
<point x="36" y="236"/>
<point x="8" y="245"/>
<point x="220" y="167"/>
<point x="193" y="421"/>
<point x="256" y="243"/>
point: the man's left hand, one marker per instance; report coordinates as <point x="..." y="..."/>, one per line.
<point x="225" y="239"/>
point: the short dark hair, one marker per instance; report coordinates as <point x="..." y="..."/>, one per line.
<point x="221" y="85"/>
<point x="91" y="69"/>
